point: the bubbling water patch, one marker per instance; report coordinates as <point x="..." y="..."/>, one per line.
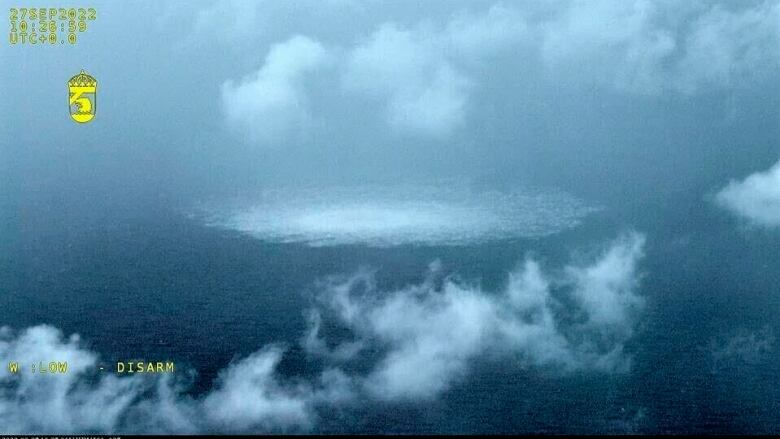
<point x="382" y="216"/>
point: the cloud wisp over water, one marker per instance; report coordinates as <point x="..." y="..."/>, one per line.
<point x="248" y="396"/>
<point x="418" y="340"/>
<point x="756" y="198"/>
<point x="387" y="216"/>
<point x="432" y="332"/>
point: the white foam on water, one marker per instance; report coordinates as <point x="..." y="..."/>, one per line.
<point x="383" y="216"/>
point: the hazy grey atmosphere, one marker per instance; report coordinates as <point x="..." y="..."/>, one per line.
<point x="344" y="216"/>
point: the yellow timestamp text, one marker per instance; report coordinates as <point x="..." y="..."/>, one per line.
<point x="48" y="26"/>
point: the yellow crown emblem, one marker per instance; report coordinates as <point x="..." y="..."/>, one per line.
<point x="83" y="79"/>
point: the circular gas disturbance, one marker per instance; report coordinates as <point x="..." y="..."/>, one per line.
<point x="388" y="216"/>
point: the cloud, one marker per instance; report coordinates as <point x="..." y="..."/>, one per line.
<point x="271" y="105"/>
<point x="469" y="35"/>
<point x="616" y="44"/>
<point x="248" y="397"/>
<point x="756" y="198"/>
<point x="415" y="341"/>
<point x="416" y="75"/>
<point x="606" y="288"/>
<point x="731" y="48"/>
<point x="69" y="405"/>
<point x="420" y="72"/>
<point x="432" y="332"/>
<point x="423" y="76"/>
<point x="649" y="48"/>
<point x="424" y="92"/>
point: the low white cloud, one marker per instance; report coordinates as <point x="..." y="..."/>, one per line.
<point x="650" y="47"/>
<point x="756" y="198"/>
<point x="730" y="48"/>
<point x="482" y="35"/>
<point x="423" y="76"/>
<point x="58" y="403"/>
<point x="423" y="91"/>
<point x="606" y="288"/>
<point x="420" y="73"/>
<point x="432" y="332"/>
<point x="612" y="43"/>
<point x="415" y="74"/>
<point x="248" y="396"/>
<point x="315" y="344"/>
<point x="271" y="105"/>
<point x="427" y="336"/>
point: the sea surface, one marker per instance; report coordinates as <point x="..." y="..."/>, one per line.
<point x="160" y="283"/>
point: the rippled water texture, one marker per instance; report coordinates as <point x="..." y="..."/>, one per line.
<point x="387" y="216"/>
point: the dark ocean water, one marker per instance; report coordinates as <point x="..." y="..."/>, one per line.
<point x="159" y="285"/>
